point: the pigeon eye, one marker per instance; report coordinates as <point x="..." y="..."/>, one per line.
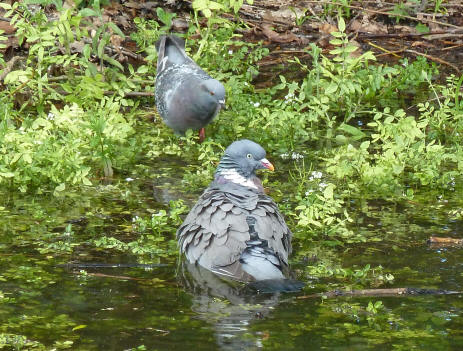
<point x="212" y="93"/>
<point x="249" y="156"/>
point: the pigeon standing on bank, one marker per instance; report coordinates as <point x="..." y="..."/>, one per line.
<point x="235" y="230"/>
<point x="186" y="96"/>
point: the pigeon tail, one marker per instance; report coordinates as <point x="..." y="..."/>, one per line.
<point x="258" y="259"/>
<point x="172" y="49"/>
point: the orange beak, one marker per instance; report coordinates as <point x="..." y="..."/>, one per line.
<point x="266" y="163"/>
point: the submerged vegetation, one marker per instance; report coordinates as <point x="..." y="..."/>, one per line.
<point x="348" y="131"/>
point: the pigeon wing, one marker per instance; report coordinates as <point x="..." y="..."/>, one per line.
<point x="214" y="233"/>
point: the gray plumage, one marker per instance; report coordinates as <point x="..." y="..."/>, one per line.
<point x="186" y="96"/>
<point x="235" y="229"/>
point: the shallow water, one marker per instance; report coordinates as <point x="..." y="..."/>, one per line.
<point x="171" y="306"/>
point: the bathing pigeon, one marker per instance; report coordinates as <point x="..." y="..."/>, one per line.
<point x="186" y="96"/>
<point x="235" y="230"/>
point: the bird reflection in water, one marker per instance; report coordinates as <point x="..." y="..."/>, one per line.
<point x="230" y="306"/>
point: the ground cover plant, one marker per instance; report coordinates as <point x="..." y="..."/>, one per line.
<point x="347" y="132"/>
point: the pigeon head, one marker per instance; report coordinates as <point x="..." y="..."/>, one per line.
<point x="243" y="157"/>
<point x="213" y="90"/>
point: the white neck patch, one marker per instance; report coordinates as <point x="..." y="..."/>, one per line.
<point x="235" y="177"/>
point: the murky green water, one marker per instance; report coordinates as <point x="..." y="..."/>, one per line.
<point x="169" y="307"/>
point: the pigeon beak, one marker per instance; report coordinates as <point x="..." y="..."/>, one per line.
<point x="266" y="163"/>
<point x="222" y="103"/>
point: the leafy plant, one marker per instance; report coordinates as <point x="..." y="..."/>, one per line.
<point x="101" y="38"/>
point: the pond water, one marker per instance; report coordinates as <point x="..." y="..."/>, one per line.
<point x="165" y="305"/>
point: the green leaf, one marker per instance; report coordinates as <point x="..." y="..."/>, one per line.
<point x="86" y="181"/>
<point x="100" y="49"/>
<point x="40" y="53"/>
<point x="142" y="69"/>
<point x="337" y="51"/>
<point x="421" y="28"/>
<point x="27" y="158"/>
<point x="336" y="42"/>
<point x="81" y="326"/>
<point x="331" y="88"/>
<point x="341" y="139"/>
<point x="60" y="187"/>
<point x="199" y="4"/>
<point x="215" y="5"/>
<point x="88" y="12"/>
<point x="116" y="29"/>
<point x="86" y="51"/>
<point x="337" y="34"/>
<point x="365" y="145"/>
<point x="328" y="192"/>
<point x="7" y="174"/>
<point x="341" y="24"/>
<point x="113" y="62"/>
<point x="352" y="130"/>
<point x="351" y="48"/>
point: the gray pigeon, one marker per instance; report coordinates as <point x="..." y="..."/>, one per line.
<point x="186" y="96"/>
<point x="235" y="230"/>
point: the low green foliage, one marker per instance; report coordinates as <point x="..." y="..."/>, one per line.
<point x="155" y="235"/>
<point x="345" y="112"/>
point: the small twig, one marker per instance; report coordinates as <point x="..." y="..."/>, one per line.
<point x="434" y="36"/>
<point x="106" y="93"/>
<point x="363" y="35"/>
<point x="61" y="78"/>
<point x="19" y="88"/>
<point x="288" y="52"/>
<point x="452" y="47"/>
<point x="383" y="49"/>
<point x="391" y="53"/>
<point x="9" y="66"/>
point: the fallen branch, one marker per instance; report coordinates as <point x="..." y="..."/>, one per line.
<point x="381" y="292"/>
<point x="132" y="93"/>
<point x="363" y="35"/>
<point x="440" y="240"/>
<point x="110" y="265"/>
<point x="434" y="58"/>
<point x="101" y="275"/>
<point x="387" y="14"/>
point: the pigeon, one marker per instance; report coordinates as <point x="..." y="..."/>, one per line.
<point x="235" y="230"/>
<point x="186" y="96"/>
